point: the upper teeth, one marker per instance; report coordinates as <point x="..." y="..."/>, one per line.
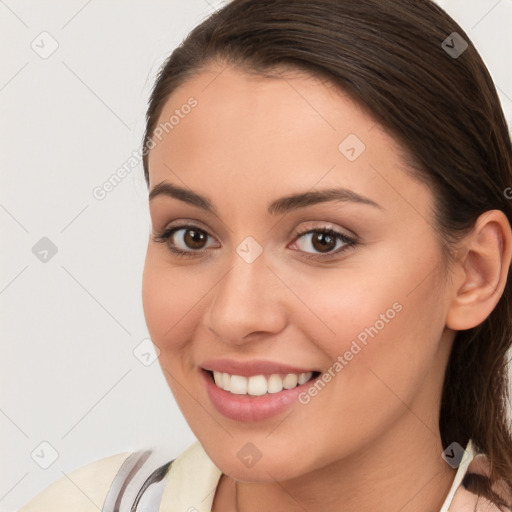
<point x="258" y="384"/>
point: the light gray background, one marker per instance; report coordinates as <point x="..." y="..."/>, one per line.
<point x="70" y="325"/>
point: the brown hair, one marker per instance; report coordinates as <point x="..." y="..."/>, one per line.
<point x="445" y="112"/>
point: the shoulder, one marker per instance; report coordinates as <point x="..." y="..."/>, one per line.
<point x="191" y="479"/>
<point x="125" y="480"/>
<point x="82" y="490"/>
<point x="467" y="500"/>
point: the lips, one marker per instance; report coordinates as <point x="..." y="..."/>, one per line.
<point x="252" y="367"/>
<point x="254" y="402"/>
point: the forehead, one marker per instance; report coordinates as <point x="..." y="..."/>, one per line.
<point x="273" y="135"/>
<point x="231" y="95"/>
<point x="235" y="110"/>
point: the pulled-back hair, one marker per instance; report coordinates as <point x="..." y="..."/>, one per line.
<point x="444" y="111"/>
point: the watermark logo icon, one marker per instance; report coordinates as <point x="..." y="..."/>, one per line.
<point x="454" y="455"/>
<point x="45" y="45"/>
<point x="249" y="249"/>
<point x="146" y="352"/>
<point x="249" y="455"/>
<point x="351" y="147"/>
<point x="454" y="45"/>
<point x="44" y="250"/>
<point x="44" y="454"/>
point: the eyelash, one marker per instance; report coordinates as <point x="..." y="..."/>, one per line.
<point x="164" y="236"/>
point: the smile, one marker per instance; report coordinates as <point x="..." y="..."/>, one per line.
<point x="258" y="385"/>
<point x="256" y="397"/>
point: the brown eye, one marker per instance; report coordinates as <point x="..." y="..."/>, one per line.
<point x="194" y="239"/>
<point x="186" y="240"/>
<point x="323" y="242"/>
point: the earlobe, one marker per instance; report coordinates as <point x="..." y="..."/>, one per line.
<point x="484" y="267"/>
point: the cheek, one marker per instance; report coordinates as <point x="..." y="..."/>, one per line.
<point x="170" y="303"/>
<point x="337" y="306"/>
<point x="378" y="328"/>
<point x="376" y="303"/>
<point x="171" y="299"/>
<point x="383" y="349"/>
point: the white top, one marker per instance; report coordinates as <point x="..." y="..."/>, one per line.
<point x="190" y="484"/>
<point x="468" y="456"/>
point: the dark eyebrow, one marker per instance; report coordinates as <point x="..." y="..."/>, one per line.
<point x="182" y="194"/>
<point x="277" y="207"/>
<point x="301" y="200"/>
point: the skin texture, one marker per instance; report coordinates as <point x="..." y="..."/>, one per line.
<point x="370" y="439"/>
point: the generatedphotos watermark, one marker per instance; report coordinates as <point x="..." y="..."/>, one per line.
<point x="101" y="191"/>
<point x="356" y="346"/>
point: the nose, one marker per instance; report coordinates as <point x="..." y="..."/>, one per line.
<point x="247" y="304"/>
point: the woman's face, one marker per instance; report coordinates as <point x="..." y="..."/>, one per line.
<point x="263" y="290"/>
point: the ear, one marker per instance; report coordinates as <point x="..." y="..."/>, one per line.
<point x="481" y="272"/>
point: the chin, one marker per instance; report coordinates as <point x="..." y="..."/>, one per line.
<point x="268" y="463"/>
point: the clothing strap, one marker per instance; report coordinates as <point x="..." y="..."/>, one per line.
<point x="139" y="483"/>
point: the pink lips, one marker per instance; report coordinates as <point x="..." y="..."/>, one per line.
<point x="249" y="368"/>
<point x="248" y="408"/>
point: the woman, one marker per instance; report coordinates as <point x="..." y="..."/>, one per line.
<point x="326" y="276"/>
